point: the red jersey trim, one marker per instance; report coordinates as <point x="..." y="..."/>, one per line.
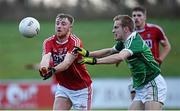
<point x="45" y="41"/>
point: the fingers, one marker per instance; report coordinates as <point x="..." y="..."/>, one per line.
<point x="81" y="61"/>
<point x="49" y="73"/>
<point x="47" y="76"/>
<point x="76" y="49"/>
<point x="43" y="71"/>
<point x="52" y="70"/>
<point x="88" y="60"/>
<point x="81" y="51"/>
<point x="84" y="61"/>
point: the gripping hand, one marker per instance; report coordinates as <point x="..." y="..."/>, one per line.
<point x="81" y="51"/>
<point x="88" y="60"/>
<point x="47" y="73"/>
<point x="43" y="71"/>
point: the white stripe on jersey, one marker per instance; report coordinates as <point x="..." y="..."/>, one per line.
<point x="129" y="39"/>
<point x="76" y="40"/>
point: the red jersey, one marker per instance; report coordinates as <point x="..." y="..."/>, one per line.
<point x="76" y="76"/>
<point x="152" y="34"/>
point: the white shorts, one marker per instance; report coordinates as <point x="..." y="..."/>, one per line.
<point x="155" y="90"/>
<point x="130" y="86"/>
<point x="131" y="89"/>
<point x="81" y="99"/>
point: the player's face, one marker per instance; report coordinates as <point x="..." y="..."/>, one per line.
<point x="139" y="19"/>
<point x="62" y="27"/>
<point x="118" y="31"/>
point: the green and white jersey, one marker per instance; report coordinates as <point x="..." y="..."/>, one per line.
<point x="141" y="62"/>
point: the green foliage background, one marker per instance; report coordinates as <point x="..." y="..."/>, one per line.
<point x="17" y="51"/>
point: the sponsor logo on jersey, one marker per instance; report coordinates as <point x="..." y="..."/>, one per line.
<point x="148" y="35"/>
<point x="149" y="42"/>
<point x="59" y="56"/>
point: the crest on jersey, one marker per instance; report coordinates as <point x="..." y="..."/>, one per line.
<point x="148" y="35"/>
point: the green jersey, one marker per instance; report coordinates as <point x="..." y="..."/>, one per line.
<point x="142" y="64"/>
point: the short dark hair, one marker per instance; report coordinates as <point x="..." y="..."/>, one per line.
<point x="68" y="16"/>
<point x="125" y="21"/>
<point x="140" y="8"/>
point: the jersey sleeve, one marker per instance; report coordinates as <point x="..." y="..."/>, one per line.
<point x="75" y="41"/>
<point x="161" y="34"/>
<point x="47" y="47"/>
<point x="118" y="46"/>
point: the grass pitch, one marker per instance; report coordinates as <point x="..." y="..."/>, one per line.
<point x="17" y="51"/>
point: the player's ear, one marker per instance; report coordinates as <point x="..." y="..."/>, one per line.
<point x="126" y="29"/>
<point x="71" y="26"/>
<point x="145" y="17"/>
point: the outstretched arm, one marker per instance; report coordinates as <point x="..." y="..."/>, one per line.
<point x="44" y="69"/>
<point x="45" y="61"/>
<point x="115" y="58"/>
<point x="97" y="54"/>
<point x="102" y="53"/>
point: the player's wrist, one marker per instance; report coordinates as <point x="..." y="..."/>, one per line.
<point x="94" y="61"/>
<point x="52" y="69"/>
<point x="87" y="53"/>
<point x="43" y="71"/>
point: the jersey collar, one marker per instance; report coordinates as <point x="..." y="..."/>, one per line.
<point x="132" y="35"/>
<point x="142" y="30"/>
<point x="60" y="43"/>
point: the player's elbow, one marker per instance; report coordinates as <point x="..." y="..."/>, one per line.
<point x="167" y="48"/>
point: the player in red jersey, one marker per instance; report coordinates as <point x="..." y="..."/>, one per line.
<point x="74" y="83"/>
<point x="153" y="36"/>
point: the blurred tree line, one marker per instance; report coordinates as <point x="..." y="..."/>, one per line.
<point x="85" y="9"/>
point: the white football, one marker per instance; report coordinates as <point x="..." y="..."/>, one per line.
<point x="29" y="27"/>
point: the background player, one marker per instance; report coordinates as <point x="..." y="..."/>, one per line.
<point x="153" y="36"/>
<point x="74" y="82"/>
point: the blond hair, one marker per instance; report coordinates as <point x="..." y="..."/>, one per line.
<point x="125" y="21"/>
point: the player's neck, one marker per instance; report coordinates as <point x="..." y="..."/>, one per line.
<point x="63" y="39"/>
<point x="127" y="35"/>
<point x="141" y="27"/>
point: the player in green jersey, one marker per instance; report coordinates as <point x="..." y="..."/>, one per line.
<point x="150" y="86"/>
